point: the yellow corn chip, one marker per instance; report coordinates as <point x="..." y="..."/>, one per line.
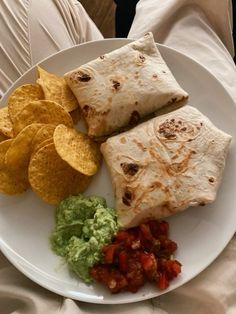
<point x="77" y="149"/>
<point x="45" y="133"/>
<point x="5" y="123"/>
<point x="56" y="89"/>
<point x="21" y="97"/>
<point x="42" y="144"/>
<point x="52" y="179"/>
<point x="3" y="138"/>
<point x="18" y="155"/>
<point x="10" y="183"/>
<point x="41" y="111"/>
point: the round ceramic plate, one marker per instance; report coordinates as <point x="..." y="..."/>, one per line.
<point x="201" y="232"/>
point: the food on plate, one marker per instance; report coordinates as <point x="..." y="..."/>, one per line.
<point x="136" y="256"/>
<point x="165" y="165"/>
<point x="30" y="158"/>
<point x="21" y="96"/>
<point x="18" y="154"/>
<point x="5" y="123"/>
<point x="87" y="236"/>
<point x="83" y="226"/>
<point x="10" y="183"/>
<point x="43" y="134"/>
<point x="53" y="179"/>
<point x="77" y="149"/>
<point x="56" y="89"/>
<point x="41" y="111"/>
<point x="120" y="87"/>
<point x="3" y="138"/>
<point x="42" y="144"/>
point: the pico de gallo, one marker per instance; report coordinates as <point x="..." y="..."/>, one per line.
<point x="136" y="256"/>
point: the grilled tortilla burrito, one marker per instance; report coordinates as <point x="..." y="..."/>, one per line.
<point x="165" y="165"/>
<point x="120" y="87"/>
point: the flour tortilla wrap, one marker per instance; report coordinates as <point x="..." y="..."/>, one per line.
<point x="120" y="87"/>
<point x="165" y="165"/>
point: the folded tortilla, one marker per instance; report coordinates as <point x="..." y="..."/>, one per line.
<point x="165" y="165"/>
<point x="123" y="86"/>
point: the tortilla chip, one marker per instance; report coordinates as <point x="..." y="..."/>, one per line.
<point x="42" y="111"/>
<point x="56" y="89"/>
<point x="10" y="183"/>
<point x="3" y="138"/>
<point x="21" y="97"/>
<point x="5" y="123"/>
<point x="18" y="155"/>
<point x="45" y="133"/>
<point x="42" y="144"/>
<point x="77" y="149"/>
<point x="52" y="179"/>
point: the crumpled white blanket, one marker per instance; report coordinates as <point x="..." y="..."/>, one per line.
<point x="30" y="31"/>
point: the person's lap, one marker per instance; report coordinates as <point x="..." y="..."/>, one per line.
<point x="33" y="30"/>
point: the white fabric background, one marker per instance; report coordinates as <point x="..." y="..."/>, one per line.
<point x="201" y="29"/>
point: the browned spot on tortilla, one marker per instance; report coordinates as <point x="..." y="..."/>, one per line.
<point x="155" y="76"/>
<point x="102" y="57"/>
<point x="178" y="167"/>
<point x="134" y="117"/>
<point x="86" y="110"/>
<point x="83" y="77"/>
<point x="127" y="197"/>
<point x="129" y="168"/>
<point x="156" y="185"/>
<point x="123" y="140"/>
<point x="140" y="145"/>
<point x="90" y="111"/>
<point x="173" y="100"/>
<point x="115" y="84"/>
<point x="167" y="130"/>
<point x="142" y="58"/>
<point x="171" y="129"/>
<point x="202" y="204"/>
<point x="211" y="180"/>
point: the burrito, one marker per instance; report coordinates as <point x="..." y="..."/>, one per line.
<point x="165" y="165"/>
<point x="123" y="86"/>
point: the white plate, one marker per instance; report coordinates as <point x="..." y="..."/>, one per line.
<point x="201" y="233"/>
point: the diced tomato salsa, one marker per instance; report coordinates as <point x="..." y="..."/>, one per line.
<point x="138" y="255"/>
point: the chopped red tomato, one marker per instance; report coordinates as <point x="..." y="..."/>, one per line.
<point x="138" y="255"/>
<point x="162" y="281"/>
<point x="123" y="261"/>
<point x="109" y="251"/>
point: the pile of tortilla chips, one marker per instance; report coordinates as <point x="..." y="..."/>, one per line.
<point x="39" y="147"/>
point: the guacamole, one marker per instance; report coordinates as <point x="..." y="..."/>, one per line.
<point x="83" y="226"/>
